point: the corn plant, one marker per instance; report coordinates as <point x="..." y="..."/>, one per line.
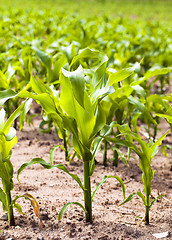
<point x="123" y="104"/>
<point x="81" y="114"/>
<point x="146" y="152"/>
<point x="167" y="110"/>
<point x="9" y="80"/>
<point x="145" y="106"/>
<point x="8" y="139"/>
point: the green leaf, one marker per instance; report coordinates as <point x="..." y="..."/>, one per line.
<point x="10" y="72"/>
<point x="23" y="115"/>
<point x="120" y="154"/>
<point x="3" y="170"/>
<point x="11" y="134"/>
<point x="3" y="81"/>
<point x="100" y="118"/>
<point x="139" y="90"/>
<point x="2" y="118"/>
<point x="49" y="166"/>
<point x="53" y="150"/>
<point x="70" y="125"/>
<point x="130" y="197"/>
<point x="158" y="143"/>
<point x="142" y="197"/>
<point x="77" y="83"/>
<point x="153" y="72"/>
<point x="141" y="107"/>
<point x="6" y="94"/>
<point x="3" y="199"/>
<point x="123" y="143"/>
<point x="57" y="67"/>
<point x="160" y="196"/>
<point x="164" y="147"/>
<point x="19" y="208"/>
<point x="76" y="107"/>
<point x="90" y="54"/>
<point x="104" y="180"/>
<point x="121" y="74"/>
<point x="69" y="51"/>
<point x="45" y="130"/>
<point x="46" y="101"/>
<point x="66" y="206"/>
<point x="46" y="60"/>
<point x="8" y="147"/>
<point x="39" y="86"/>
<point x="98" y="80"/>
<point x="13" y="116"/>
<point x="167" y="117"/>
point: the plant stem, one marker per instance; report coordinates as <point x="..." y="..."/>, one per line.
<point x="118" y="115"/>
<point x="115" y="157"/>
<point x="155" y="128"/>
<point x="147" y="215"/>
<point x="8" y="108"/>
<point x="10" y="209"/>
<point x="87" y="192"/>
<point x="105" y="154"/>
<point x="147" y="208"/>
<point x="65" y="146"/>
<point x="15" y="107"/>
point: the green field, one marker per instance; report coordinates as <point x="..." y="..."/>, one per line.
<point x="148" y="9"/>
<point x="101" y="71"/>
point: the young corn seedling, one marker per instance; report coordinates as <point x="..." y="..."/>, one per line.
<point x="80" y="113"/>
<point x="8" y="139"/>
<point x="119" y="103"/>
<point x="146" y="152"/>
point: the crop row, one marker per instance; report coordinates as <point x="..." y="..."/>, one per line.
<point x="97" y="81"/>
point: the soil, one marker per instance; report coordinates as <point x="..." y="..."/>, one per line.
<point x="53" y="188"/>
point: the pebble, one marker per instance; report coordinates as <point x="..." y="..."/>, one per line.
<point x="4" y="217"/>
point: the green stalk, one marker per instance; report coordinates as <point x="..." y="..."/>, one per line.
<point x="147" y="209"/>
<point x="155" y="132"/>
<point x="10" y="209"/>
<point x="65" y="146"/>
<point x="118" y="115"/>
<point x="8" y="108"/>
<point x="155" y="128"/>
<point x="115" y="156"/>
<point x="15" y="107"/>
<point x="105" y="154"/>
<point x="87" y="192"/>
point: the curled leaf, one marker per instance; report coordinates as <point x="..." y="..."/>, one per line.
<point x="35" y="206"/>
<point x="66" y="206"/>
<point x="104" y="180"/>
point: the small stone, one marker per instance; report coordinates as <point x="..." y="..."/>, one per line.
<point x="4" y="217"/>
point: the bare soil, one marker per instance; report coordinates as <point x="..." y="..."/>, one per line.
<point x="54" y="188"/>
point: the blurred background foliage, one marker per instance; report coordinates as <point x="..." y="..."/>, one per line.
<point x="139" y="9"/>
